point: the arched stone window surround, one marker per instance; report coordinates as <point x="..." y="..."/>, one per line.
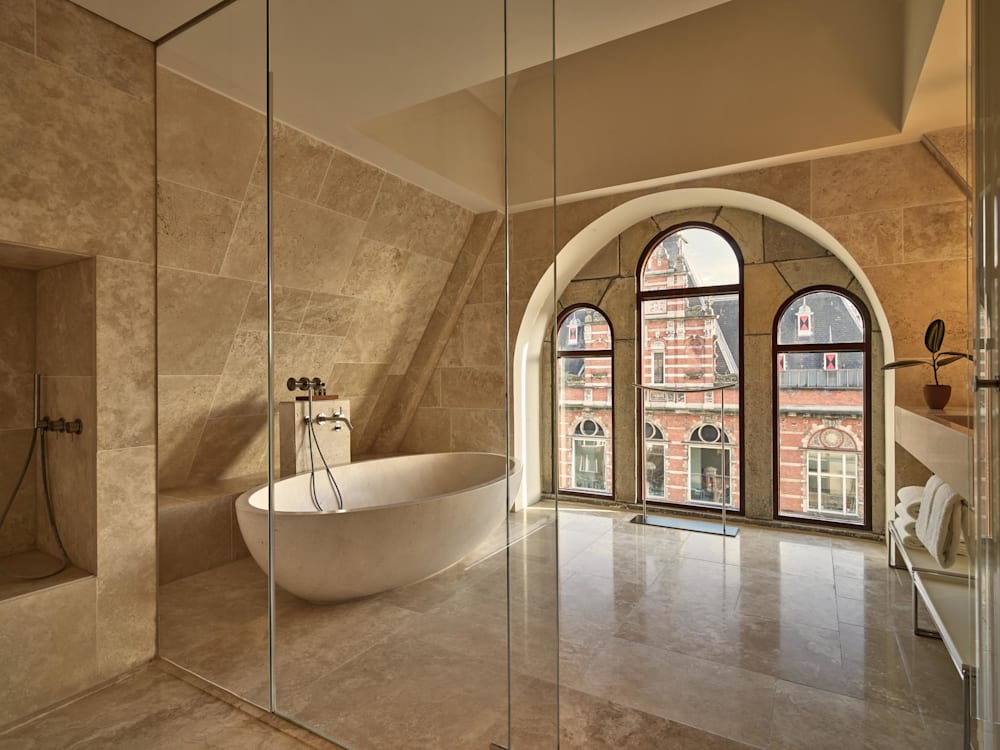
<point x="574" y="255"/>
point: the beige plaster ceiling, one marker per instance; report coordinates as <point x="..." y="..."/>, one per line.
<point x="648" y="90"/>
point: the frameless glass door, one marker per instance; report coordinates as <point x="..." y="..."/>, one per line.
<point x="408" y="609"/>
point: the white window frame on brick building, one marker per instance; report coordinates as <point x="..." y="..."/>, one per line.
<point x="590" y="433"/>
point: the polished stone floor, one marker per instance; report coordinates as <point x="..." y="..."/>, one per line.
<point x="667" y="639"/>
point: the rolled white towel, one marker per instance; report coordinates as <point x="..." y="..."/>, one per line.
<point x="911" y="498"/>
<point x="909" y="523"/>
<point x="939" y="526"/>
<point x="932" y="486"/>
<point x="909" y="540"/>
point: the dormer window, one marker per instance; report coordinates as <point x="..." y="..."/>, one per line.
<point x="804" y="320"/>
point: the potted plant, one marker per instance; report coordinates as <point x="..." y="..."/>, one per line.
<point x="935" y="395"/>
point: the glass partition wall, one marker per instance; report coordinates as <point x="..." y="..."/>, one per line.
<point x="343" y="536"/>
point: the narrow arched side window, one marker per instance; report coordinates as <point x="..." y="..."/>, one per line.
<point x="822" y="408"/>
<point x="690" y="329"/>
<point x="584" y="356"/>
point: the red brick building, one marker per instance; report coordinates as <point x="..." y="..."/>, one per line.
<point x="688" y="343"/>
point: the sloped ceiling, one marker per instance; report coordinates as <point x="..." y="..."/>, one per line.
<point x="647" y="89"/>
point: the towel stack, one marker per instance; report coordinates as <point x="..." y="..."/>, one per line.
<point x="939" y="526"/>
<point x="907" y="513"/>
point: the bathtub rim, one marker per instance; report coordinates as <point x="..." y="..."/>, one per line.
<point x="515" y="464"/>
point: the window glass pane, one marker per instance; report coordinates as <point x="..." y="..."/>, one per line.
<point x="656" y="469"/>
<point x="821" y="318"/>
<point x="689" y="343"/>
<point x="585" y="423"/>
<point x="690" y="257"/>
<point x="584" y="329"/>
<point x="821" y="429"/>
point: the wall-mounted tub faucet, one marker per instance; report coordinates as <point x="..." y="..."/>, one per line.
<point x="338" y="419"/>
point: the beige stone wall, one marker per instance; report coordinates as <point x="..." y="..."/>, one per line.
<point x="360" y="259"/>
<point x="76" y="142"/>
<point x="896" y="210"/>
<point x="779" y="262"/>
<point x="17" y="367"/>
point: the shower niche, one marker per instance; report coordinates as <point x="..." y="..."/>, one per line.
<point x="48" y="534"/>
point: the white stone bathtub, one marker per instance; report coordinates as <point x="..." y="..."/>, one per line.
<point x="404" y="519"/>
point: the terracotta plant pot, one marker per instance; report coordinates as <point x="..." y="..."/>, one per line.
<point x="936" y="396"/>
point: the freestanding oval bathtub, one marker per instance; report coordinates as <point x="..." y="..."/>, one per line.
<point x="404" y="519"/>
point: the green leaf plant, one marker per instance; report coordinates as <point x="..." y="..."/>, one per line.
<point x="933" y="341"/>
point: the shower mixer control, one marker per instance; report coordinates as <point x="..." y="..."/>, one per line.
<point x="315" y="385"/>
<point x="71" y="427"/>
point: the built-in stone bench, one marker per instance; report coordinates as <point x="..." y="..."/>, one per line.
<point x="197" y="528"/>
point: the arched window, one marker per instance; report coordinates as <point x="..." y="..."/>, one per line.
<point x="822" y="407"/>
<point x="656" y="460"/>
<point x="586" y="391"/>
<point x="710" y="464"/>
<point x="690" y="327"/>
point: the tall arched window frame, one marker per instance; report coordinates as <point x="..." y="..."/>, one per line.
<point x="585" y="382"/>
<point x="689" y="335"/>
<point x="822" y="408"/>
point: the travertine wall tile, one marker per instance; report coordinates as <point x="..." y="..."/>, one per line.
<point x="205" y="140"/>
<point x="19" y="528"/>
<point x="799" y="274"/>
<point x="49" y="640"/>
<point x="748" y="229"/>
<point x="71" y="470"/>
<point x="308" y="238"/>
<point x="65" y="325"/>
<point x="764" y="291"/>
<point x="298" y="162"/>
<point x="781" y="242"/>
<point x="193" y="536"/>
<point x="77" y="138"/>
<point x="953" y="145"/>
<point x="231" y="447"/>
<point x="602" y="265"/>
<point x="126" y="353"/>
<point x="411" y="218"/>
<point x="758" y="437"/>
<point x="429" y="432"/>
<point x="17" y="347"/>
<point x="375" y="271"/>
<point x="472" y="387"/>
<point x="351" y="185"/>
<point x="198" y="315"/>
<point x="78" y="162"/>
<point x="126" y="586"/>
<point x="477" y="430"/>
<point x="75" y="38"/>
<point x="895" y="177"/>
<point x="788" y="184"/>
<point x="633" y="242"/>
<point x="193" y="227"/>
<point x="184" y="405"/>
<point x="246" y="256"/>
<point x="619" y="303"/>
<point x="17" y="24"/>
<point x="289" y="309"/>
<point x="330" y="314"/>
<point x="936" y="231"/>
<point x="873" y="239"/>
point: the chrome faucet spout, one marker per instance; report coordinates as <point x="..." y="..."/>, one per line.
<point x="337" y="418"/>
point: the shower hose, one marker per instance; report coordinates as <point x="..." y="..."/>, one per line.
<point x="35" y="433"/>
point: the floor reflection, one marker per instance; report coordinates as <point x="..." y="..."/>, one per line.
<point x="666" y="638"/>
